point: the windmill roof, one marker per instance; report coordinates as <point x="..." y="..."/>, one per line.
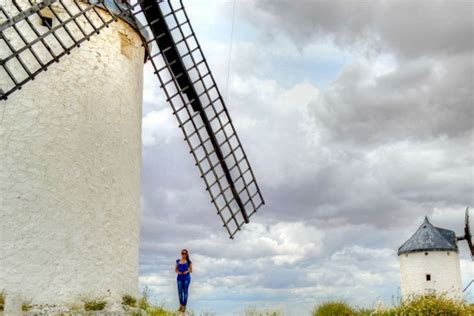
<point x="430" y="238"/>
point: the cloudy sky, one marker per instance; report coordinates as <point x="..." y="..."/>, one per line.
<point x="357" y="117"/>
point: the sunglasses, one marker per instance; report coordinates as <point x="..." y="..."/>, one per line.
<point x="184" y="253"/>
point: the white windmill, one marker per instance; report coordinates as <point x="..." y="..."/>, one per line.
<point x="70" y="140"/>
<point x="429" y="261"/>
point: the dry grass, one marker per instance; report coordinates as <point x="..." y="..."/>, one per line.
<point x="428" y="305"/>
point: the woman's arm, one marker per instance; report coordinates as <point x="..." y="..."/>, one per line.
<point x="190" y="269"/>
<point x="176" y="269"/>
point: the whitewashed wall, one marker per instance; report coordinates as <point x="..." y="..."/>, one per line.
<point x="70" y="159"/>
<point x="444" y="268"/>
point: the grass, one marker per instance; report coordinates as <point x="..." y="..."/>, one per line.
<point x="258" y="313"/>
<point x="333" y="308"/>
<point x="25" y="307"/>
<point x="150" y="309"/>
<point x="129" y="300"/>
<point x="419" y="305"/>
<point x="96" y="304"/>
<point x="430" y="305"/>
<point x="159" y="311"/>
<point x="144" y="301"/>
<point x="2" y="300"/>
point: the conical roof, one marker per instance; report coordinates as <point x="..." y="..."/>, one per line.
<point x="430" y="238"/>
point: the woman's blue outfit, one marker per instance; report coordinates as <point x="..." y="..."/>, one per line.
<point x="183" y="282"/>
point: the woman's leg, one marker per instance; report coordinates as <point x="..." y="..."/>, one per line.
<point x="185" y="291"/>
<point x="180" y="291"/>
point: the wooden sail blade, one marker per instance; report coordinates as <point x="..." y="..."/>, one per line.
<point x="191" y="90"/>
<point x="468" y="233"/>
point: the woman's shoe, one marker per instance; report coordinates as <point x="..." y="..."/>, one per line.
<point x="184" y="308"/>
<point x="180" y="308"/>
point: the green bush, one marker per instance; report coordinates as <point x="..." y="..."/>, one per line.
<point x="94" y="304"/>
<point x="333" y="308"/>
<point x="129" y="300"/>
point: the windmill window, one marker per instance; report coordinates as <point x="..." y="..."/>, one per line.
<point x="428" y="277"/>
<point x="426" y="253"/>
<point x="46" y="21"/>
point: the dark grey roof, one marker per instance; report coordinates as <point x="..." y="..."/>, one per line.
<point x="449" y="235"/>
<point x="430" y="238"/>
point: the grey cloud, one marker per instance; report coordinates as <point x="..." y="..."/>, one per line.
<point x="419" y="100"/>
<point x="411" y="29"/>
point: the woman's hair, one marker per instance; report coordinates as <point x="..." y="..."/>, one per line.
<point x="187" y="256"/>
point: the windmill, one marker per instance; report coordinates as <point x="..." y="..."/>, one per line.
<point x="70" y="91"/>
<point x="429" y="261"/>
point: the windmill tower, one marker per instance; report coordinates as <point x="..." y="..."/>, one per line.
<point x="429" y="261"/>
<point x="70" y="140"/>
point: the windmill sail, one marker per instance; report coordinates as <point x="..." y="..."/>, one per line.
<point x="467" y="233"/>
<point x="180" y="67"/>
<point x="192" y="92"/>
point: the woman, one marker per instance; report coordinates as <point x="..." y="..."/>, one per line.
<point x="184" y="268"/>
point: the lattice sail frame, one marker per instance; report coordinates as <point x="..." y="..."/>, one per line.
<point x="181" y="69"/>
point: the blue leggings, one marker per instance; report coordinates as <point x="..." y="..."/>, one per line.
<point x="183" y="286"/>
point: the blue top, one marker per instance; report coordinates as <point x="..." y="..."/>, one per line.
<point x="181" y="268"/>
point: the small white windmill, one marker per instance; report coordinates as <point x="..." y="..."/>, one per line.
<point x="429" y="261"/>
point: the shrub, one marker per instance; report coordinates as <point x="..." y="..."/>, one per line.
<point x="333" y="308"/>
<point x="94" y="304"/>
<point x="129" y="300"/>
